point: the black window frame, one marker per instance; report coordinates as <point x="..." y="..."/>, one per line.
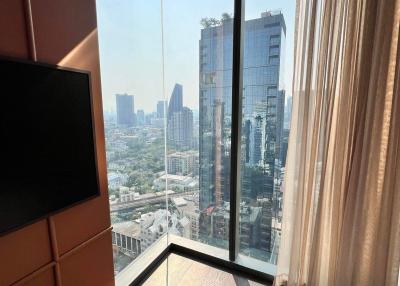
<point x="237" y="96"/>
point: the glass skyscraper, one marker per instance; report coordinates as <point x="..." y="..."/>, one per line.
<point x="180" y="121"/>
<point x="176" y="100"/>
<point x="160" y="108"/>
<point x="125" y="109"/>
<point x="262" y="125"/>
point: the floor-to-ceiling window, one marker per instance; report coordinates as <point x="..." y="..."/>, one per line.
<point x="133" y="102"/>
<point x="166" y="71"/>
<point x="198" y="61"/>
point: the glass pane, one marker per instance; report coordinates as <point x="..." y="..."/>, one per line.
<point x="133" y="103"/>
<point x="198" y="72"/>
<point x="267" y="74"/>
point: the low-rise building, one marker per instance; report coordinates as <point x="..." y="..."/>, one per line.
<point x="115" y="180"/>
<point x="183" y="163"/>
<point x="127" y="194"/>
<point x="126" y="237"/>
<point x="153" y="225"/>
<point x="215" y="225"/>
<point x="183" y="183"/>
<point x="190" y="210"/>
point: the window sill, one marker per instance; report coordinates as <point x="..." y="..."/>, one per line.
<point x="145" y="260"/>
<point x="144" y="265"/>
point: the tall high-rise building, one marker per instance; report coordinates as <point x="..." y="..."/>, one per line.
<point x="180" y="129"/>
<point x="180" y="121"/>
<point x="160" y="108"/>
<point x="176" y="100"/>
<point x="140" y="120"/>
<point x="125" y="109"/>
<point x="263" y="111"/>
<point x="215" y="92"/>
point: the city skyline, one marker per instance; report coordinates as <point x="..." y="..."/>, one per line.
<point x="181" y="150"/>
<point x="131" y="59"/>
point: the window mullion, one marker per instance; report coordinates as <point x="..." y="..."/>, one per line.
<point x="237" y="89"/>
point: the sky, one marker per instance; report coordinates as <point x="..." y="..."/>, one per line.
<point x="130" y="42"/>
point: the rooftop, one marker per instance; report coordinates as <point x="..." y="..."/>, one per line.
<point x="128" y="228"/>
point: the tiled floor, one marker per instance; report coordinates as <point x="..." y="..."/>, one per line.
<point x="180" y="271"/>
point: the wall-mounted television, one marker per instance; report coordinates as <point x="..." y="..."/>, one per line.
<point x="47" y="144"/>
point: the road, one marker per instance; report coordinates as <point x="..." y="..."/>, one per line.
<point x="142" y="202"/>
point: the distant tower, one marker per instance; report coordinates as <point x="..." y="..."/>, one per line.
<point x="176" y="101"/>
<point x="140" y="117"/>
<point x="180" y="129"/>
<point x="125" y="109"/>
<point x="160" y="108"/>
<point x="180" y="121"/>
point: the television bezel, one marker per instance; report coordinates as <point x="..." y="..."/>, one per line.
<point x="95" y="149"/>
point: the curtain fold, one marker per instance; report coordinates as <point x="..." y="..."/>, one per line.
<point x="341" y="217"/>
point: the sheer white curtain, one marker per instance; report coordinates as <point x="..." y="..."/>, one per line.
<point x="341" y="221"/>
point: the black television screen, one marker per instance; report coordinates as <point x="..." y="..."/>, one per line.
<point x="47" y="146"/>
